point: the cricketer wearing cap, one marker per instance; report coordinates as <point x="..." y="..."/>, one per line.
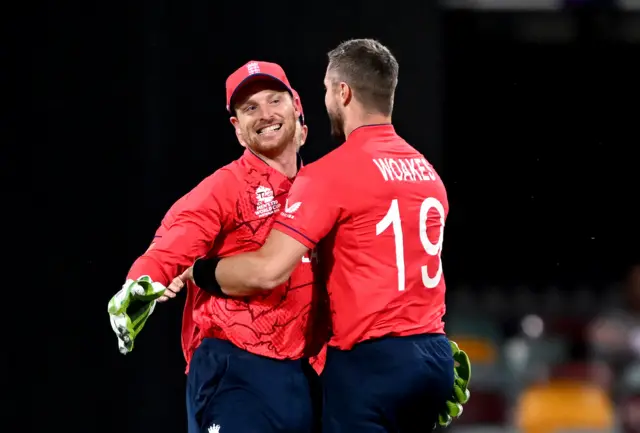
<point x="247" y="366"/>
<point x="380" y="208"/>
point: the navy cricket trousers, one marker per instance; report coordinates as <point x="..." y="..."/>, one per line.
<point x="391" y="384"/>
<point x="230" y="390"/>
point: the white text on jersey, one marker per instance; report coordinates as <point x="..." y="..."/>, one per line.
<point x="405" y="169"/>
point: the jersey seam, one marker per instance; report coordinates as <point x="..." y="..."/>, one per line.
<point x="296" y="231"/>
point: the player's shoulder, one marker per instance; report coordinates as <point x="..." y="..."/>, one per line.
<point x="411" y="152"/>
<point x="329" y="166"/>
<point x="400" y="146"/>
<point x="217" y="186"/>
<point x="399" y="153"/>
<point x="221" y="180"/>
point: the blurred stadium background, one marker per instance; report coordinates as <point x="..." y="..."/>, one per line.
<point x="563" y="354"/>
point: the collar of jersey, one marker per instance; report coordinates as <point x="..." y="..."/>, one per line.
<point x="365" y="131"/>
<point x="256" y="161"/>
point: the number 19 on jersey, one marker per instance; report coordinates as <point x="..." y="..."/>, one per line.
<point x="433" y="251"/>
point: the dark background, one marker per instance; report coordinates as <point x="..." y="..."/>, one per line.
<point x="124" y="113"/>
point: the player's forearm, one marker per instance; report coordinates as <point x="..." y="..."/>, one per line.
<point x="149" y="265"/>
<point x="248" y="274"/>
<point x="163" y="264"/>
<point x="175" y="251"/>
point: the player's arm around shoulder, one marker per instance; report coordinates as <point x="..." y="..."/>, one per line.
<point x="305" y="219"/>
<point x="254" y="272"/>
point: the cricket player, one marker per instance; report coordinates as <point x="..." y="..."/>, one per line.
<point x="379" y="208"/>
<point x="248" y="368"/>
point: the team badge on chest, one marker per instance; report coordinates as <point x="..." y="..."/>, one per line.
<point x="266" y="203"/>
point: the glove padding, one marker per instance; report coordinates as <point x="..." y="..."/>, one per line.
<point x="130" y="308"/>
<point x="461" y="393"/>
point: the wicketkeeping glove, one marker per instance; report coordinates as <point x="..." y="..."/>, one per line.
<point x="130" y="308"/>
<point x="461" y="394"/>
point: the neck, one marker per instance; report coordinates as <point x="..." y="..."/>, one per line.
<point x="362" y="120"/>
<point x="286" y="162"/>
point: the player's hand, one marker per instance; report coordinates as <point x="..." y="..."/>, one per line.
<point x="461" y="393"/>
<point x="176" y="285"/>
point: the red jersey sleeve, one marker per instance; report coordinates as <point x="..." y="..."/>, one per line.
<point x="166" y="223"/>
<point x="310" y="211"/>
<point x="189" y="234"/>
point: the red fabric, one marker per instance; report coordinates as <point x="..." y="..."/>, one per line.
<point x="256" y="70"/>
<point x="232" y="211"/>
<point x="379" y="208"/>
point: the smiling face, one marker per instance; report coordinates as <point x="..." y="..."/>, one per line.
<point x="265" y="117"/>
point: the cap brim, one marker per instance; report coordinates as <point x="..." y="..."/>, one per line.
<point x="252" y="79"/>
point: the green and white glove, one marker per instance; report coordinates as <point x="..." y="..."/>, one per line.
<point x="130" y="308"/>
<point x="461" y="394"/>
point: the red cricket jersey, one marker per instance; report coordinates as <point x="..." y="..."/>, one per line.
<point x="230" y="212"/>
<point x="380" y="209"/>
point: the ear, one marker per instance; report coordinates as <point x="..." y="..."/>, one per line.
<point x="297" y="107"/>
<point x="345" y="94"/>
<point x="303" y="131"/>
<point x="236" y="126"/>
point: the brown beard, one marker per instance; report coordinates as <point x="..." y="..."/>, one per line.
<point x="337" y="125"/>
